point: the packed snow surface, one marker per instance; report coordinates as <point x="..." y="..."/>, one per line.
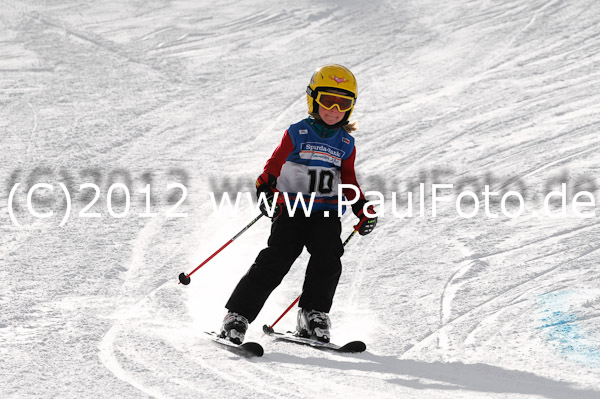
<point x="173" y="100"/>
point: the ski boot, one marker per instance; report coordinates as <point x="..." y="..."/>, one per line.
<point x="234" y="328"/>
<point x="314" y="325"/>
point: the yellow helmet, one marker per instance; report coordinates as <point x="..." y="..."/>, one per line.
<point x="337" y="78"/>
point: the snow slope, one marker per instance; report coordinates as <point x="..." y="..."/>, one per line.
<point x="467" y="93"/>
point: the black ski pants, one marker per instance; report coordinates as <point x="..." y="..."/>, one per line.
<point x="289" y="235"/>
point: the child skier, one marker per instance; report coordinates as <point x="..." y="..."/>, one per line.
<point x="315" y="155"/>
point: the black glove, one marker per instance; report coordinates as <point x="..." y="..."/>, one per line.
<point x="266" y="184"/>
<point x="366" y="224"/>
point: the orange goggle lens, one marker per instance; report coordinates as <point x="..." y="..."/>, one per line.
<point x="329" y="100"/>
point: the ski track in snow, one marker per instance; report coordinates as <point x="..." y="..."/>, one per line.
<point x="449" y="308"/>
<point x="451" y="288"/>
<point x="107" y="344"/>
<point x="108" y="358"/>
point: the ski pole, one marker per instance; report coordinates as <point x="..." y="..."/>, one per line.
<point x="185" y="279"/>
<point x="269" y="329"/>
<point x="349" y="237"/>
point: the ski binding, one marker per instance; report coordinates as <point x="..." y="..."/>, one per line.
<point x="350" y="347"/>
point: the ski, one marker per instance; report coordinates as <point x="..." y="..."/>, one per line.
<point x="350" y="347"/>
<point x="247" y="349"/>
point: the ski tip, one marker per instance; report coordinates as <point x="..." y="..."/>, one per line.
<point x="253" y="348"/>
<point x="353" y="347"/>
<point x="183" y="279"/>
<point x="247" y="349"/>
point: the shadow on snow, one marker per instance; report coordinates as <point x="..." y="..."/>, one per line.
<point x="476" y="377"/>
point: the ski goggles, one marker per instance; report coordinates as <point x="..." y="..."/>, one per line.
<point x="330" y="100"/>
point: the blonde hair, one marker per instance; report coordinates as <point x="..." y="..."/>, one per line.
<point x="348" y="127"/>
<point x="351" y="126"/>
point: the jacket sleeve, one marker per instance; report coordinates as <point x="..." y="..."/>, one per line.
<point x="274" y="164"/>
<point x="349" y="177"/>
